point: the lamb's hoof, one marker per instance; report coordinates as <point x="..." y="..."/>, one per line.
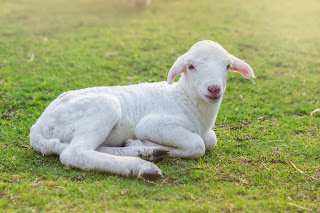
<point x="151" y="174"/>
<point x="160" y="152"/>
<point x="159" y="155"/>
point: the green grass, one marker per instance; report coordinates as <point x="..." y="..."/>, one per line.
<point x="48" y="47"/>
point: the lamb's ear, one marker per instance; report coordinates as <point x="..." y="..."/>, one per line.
<point x="242" y="67"/>
<point x="177" y="68"/>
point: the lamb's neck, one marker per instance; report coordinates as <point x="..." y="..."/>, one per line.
<point x="205" y="112"/>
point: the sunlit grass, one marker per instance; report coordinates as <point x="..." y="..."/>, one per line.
<point x="48" y="47"/>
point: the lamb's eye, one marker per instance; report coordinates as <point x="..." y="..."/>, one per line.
<point x="228" y="66"/>
<point x="191" y="67"/>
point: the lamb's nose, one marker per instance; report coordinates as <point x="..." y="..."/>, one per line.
<point x="214" y="89"/>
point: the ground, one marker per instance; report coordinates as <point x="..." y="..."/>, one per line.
<point x="268" y="153"/>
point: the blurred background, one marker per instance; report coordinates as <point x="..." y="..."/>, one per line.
<point x="53" y="30"/>
<point x="58" y="45"/>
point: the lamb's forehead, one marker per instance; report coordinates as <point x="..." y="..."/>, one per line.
<point x="204" y="50"/>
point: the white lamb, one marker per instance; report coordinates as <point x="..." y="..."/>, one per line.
<point x="116" y="129"/>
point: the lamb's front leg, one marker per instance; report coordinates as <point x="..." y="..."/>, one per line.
<point x="149" y="153"/>
<point x="164" y="131"/>
<point x="210" y="139"/>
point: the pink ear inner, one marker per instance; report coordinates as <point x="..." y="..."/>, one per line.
<point x="177" y="68"/>
<point x="242" y="70"/>
<point x="242" y="67"/>
<point x="173" y="74"/>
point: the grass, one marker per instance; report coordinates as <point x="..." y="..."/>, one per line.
<point x="48" y="47"/>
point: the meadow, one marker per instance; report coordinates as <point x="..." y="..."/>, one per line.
<point x="268" y="154"/>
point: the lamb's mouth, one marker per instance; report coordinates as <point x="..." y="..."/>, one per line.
<point x="212" y="98"/>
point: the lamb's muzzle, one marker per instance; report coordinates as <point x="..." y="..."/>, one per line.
<point x="120" y="129"/>
<point x="214" y="92"/>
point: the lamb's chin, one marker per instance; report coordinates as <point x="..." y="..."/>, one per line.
<point x="211" y="100"/>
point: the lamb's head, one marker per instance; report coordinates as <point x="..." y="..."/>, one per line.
<point x="204" y="70"/>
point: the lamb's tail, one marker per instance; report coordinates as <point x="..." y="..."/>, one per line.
<point x="44" y="145"/>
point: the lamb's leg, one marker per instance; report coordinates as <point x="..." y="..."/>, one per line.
<point x="182" y="143"/>
<point x="44" y="145"/>
<point x="90" y="133"/>
<point x="79" y="155"/>
<point x="210" y="140"/>
<point x="154" y="154"/>
<point x="144" y="143"/>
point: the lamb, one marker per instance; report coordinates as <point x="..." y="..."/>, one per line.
<point x="121" y="129"/>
